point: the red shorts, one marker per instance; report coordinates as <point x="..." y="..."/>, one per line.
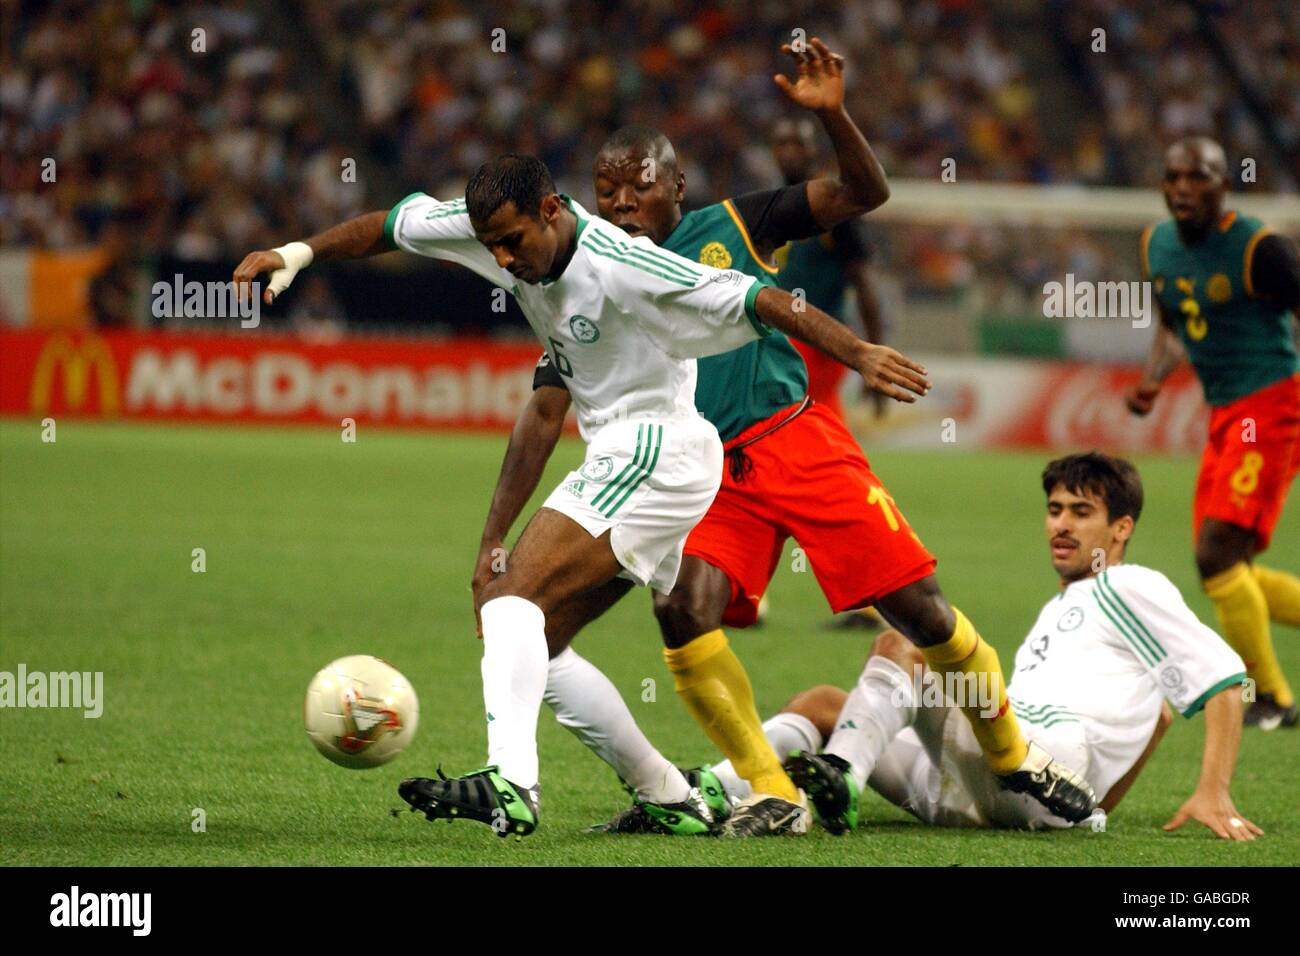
<point x="810" y="481"/>
<point x="824" y="377"/>
<point x="1251" y="457"/>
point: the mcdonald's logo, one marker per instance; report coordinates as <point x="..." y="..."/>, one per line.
<point x="76" y="360"/>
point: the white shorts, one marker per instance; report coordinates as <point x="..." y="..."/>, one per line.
<point x="650" y="482"/>
<point x="935" y="770"/>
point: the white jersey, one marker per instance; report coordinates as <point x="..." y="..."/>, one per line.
<point x="624" y="323"/>
<point x="1101" y="657"/>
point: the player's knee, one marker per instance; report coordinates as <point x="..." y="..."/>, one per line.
<point x="821" y="705"/>
<point x="894" y="646"/>
<point x="1219" y="549"/>
<point x="920" y="612"/>
<point x="684" y="615"/>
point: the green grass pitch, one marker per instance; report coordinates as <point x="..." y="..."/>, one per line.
<point x="316" y="548"/>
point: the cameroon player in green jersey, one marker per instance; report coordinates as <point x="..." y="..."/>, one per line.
<point x="1226" y="287"/>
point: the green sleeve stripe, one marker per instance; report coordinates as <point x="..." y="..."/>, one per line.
<point x="656" y="435"/>
<point x="646" y="256"/>
<point x="666" y="261"/>
<point x="391" y="220"/>
<point x="626" y="474"/>
<point x="1143" y="654"/>
<point x="1222" y="685"/>
<point x="1041" y="708"/>
<point x="1128" y="613"/>
<point x="637" y="265"/>
<point x="751" y="310"/>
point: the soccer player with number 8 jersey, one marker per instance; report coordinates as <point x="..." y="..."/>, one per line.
<point x="1226" y="287"/>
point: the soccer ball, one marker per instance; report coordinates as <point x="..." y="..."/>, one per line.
<point x="360" y="712"/>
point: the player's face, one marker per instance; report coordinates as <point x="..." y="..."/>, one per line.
<point x="636" y="196"/>
<point x="1193" y="188"/>
<point x="1077" y="526"/>
<point x="523" y="245"/>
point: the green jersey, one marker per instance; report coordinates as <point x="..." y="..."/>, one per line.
<point x="738" y="388"/>
<point x="1237" y="342"/>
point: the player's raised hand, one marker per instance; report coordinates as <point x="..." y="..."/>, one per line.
<point x="1141" y="398"/>
<point x="1216" y="811"/>
<point x="254" y="264"/>
<point x="819" y="84"/>
<point x="891" y="373"/>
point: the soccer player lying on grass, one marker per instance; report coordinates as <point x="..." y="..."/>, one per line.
<point x="1090" y="682"/>
<point x="794" y="471"/>
<point x="627" y="320"/>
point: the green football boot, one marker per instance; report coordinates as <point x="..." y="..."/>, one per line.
<point x="484" y="796"/>
<point x="831" y="787"/>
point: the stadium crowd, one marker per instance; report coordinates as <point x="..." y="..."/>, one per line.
<point x="202" y="154"/>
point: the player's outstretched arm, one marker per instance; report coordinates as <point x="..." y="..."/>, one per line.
<point x="883" y="369"/>
<point x="1211" y="803"/>
<point x="1166" y="355"/>
<point x="354" y="239"/>
<point x="819" y="87"/>
<point x="531" y="443"/>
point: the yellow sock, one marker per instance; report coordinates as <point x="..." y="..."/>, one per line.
<point x="1282" y="592"/>
<point x="1243" y="618"/>
<point x="713" y="684"/>
<point x="966" y="653"/>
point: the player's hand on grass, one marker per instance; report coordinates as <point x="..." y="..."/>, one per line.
<point x="820" y="81"/>
<point x="1216" y="811"/>
<point x="484" y="571"/>
<point x="891" y="373"/>
<point x="254" y="264"/>
<point x="1141" y="397"/>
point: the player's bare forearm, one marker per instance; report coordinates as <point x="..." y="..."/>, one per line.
<point x="1222" y="739"/>
<point x="532" y="441"/>
<point x="861" y="186"/>
<point x="356" y="238"/>
<point x="883" y="369"/>
<point x="1166" y="355"/>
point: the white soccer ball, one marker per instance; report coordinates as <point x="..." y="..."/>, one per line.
<point x="360" y="711"/>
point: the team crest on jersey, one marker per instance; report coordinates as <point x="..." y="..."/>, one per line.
<point x="583" y="329"/>
<point x="598" y="469"/>
<point x="1070" y="620"/>
<point x="715" y="254"/>
<point x="1219" y="288"/>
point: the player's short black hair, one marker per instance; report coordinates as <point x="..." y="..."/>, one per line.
<point x="641" y="141"/>
<point x="1114" y="480"/>
<point x="522" y="180"/>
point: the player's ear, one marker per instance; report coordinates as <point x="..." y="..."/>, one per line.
<point x="1123" y="529"/>
<point x="679" y="187"/>
<point x="551" y="206"/>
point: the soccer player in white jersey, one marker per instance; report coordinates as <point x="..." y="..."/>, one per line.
<point x="1090" y="683"/>
<point x="624" y="321"/>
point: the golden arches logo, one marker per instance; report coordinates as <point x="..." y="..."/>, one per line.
<point x="77" y="360"/>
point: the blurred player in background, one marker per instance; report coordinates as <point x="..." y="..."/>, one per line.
<point x="1091" y="680"/>
<point x="793" y="470"/>
<point x="1225" y="286"/>
<point x="821" y="267"/>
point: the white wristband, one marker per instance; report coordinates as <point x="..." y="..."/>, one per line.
<point x="296" y="255"/>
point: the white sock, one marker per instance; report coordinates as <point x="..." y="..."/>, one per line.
<point x="586" y="702"/>
<point x="514" y="679"/>
<point x="880" y="705"/>
<point x="785" y="732"/>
